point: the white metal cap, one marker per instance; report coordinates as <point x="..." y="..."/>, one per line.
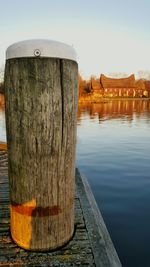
<point x="41" y="48"/>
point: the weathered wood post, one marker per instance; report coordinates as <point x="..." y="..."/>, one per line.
<point x="41" y="88"/>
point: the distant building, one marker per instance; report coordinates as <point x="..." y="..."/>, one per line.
<point x="96" y="88"/>
<point x="123" y="87"/>
<point x="107" y="82"/>
<point x="113" y="87"/>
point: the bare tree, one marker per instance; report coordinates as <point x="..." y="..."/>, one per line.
<point x="144" y="74"/>
<point x="2" y="79"/>
<point x="118" y="75"/>
<point x="1" y="73"/>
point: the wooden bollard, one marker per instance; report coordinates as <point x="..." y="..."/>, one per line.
<point x="41" y="90"/>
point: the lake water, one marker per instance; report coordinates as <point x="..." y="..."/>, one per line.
<point x="113" y="151"/>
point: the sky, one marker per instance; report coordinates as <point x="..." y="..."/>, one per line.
<point x="109" y="36"/>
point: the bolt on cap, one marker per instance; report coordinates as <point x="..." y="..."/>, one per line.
<point x="41" y="48"/>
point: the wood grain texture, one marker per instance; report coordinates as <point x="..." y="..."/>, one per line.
<point x="41" y="106"/>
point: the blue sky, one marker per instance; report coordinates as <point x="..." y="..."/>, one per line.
<point x="109" y="36"/>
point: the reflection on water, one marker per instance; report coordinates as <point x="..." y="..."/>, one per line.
<point x="115" y="109"/>
<point x="113" y="151"/>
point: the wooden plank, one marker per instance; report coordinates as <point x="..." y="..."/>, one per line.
<point x="3" y="146"/>
<point x="90" y="246"/>
<point x="103" y="249"/>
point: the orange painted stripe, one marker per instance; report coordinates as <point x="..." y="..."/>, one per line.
<point x="36" y="211"/>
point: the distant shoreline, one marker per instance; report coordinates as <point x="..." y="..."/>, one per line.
<point x="108" y="99"/>
<point x="95" y="101"/>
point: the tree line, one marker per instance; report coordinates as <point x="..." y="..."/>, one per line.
<point x="1" y="87"/>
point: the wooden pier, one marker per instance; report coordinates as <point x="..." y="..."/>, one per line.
<point x="91" y="244"/>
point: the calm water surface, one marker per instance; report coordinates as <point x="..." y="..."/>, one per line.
<point x="113" y="151"/>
